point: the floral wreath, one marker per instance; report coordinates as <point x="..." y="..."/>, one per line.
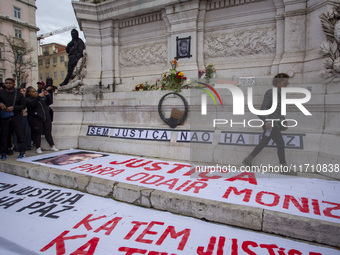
<point x="172" y="122"/>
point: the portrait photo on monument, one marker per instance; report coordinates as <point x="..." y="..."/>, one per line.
<point x="183" y="47"/>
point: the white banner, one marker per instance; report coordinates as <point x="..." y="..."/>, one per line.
<point x="38" y="218"/>
<point x="312" y="198"/>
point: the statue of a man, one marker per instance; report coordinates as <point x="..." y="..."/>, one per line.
<point x="75" y="52"/>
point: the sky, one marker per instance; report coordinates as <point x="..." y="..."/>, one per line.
<point x="54" y="15"/>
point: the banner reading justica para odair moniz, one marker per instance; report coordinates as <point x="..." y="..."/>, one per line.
<point x="312" y="198"/>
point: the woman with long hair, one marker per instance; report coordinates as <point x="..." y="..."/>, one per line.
<point x="38" y="116"/>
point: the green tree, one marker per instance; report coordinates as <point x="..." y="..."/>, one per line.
<point x="18" y="53"/>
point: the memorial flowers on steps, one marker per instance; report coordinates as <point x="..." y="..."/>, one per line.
<point x="170" y="80"/>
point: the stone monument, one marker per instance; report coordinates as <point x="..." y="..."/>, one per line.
<point x="248" y="41"/>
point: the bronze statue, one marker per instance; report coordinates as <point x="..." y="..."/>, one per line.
<point x="75" y="52"/>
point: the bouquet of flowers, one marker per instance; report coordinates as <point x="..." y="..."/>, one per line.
<point x="173" y="80"/>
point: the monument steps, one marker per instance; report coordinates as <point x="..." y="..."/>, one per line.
<point x="246" y="217"/>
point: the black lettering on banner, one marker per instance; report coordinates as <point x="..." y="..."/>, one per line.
<point x="290" y="139"/>
<point x="5" y="186"/>
<point x="7" y="202"/>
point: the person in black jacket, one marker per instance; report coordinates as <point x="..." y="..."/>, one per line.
<point x="75" y="51"/>
<point x="38" y="116"/>
<point x="12" y="102"/>
<point x="272" y="131"/>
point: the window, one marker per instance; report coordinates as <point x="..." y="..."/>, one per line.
<point x="55" y="60"/>
<point x="62" y="60"/>
<point x="55" y="75"/>
<point x="17" y="12"/>
<point x="62" y="74"/>
<point x="40" y="77"/>
<point x="1" y="76"/>
<point x="17" y="33"/>
<point x="46" y="51"/>
<point x="47" y="75"/>
<point x="47" y="62"/>
<point x="40" y="62"/>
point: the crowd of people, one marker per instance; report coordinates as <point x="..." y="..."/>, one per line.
<point x="25" y="115"/>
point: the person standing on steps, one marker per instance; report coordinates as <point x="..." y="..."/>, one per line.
<point x="12" y="102"/>
<point x="39" y="117"/>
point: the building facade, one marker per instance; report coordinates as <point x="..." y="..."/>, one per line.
<point x="53" y="62"/>
<point x="17" y="19"/>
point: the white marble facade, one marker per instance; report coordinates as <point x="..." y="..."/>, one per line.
<point x="134" y="41"/>
<point x="129" y="42"/>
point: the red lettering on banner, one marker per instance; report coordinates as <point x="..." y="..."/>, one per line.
<point x="302" y="208"/>
<point x="131" y="251"/>
<point x="90" y="169"/>
<point x="82" y="166"/>
<point x="92" y="244"/>
<point x="210" y="247"/>
<point x="103" y="170"/>
<point x="220" y="246"/>
<point x="59" y="241"/>
<point x="86" y="222"/>
<point x="183" y="185"/>
<point x="171" y="230"/>
<point x="132" y="164"/>
<point x="251" y="178"/>
<point x="159" y="253"/>
<point x="295" y="252"/>
<point x="148" y="231"/>
<point x="131" y="178"/>
<point x="245" y="247"/>
<point x="120" y="163"/>
<point x="275" y="202"/>
<point x="114" y="173"/>
<point x="107" y="226"/>
<point x="192" y="171"/>
<point x="315" y="253"/>
<point x="196" y="186"/>
<point x="316" y="207"/>
<point x="156" y="166"/>
<point x="246" y="197"/>
<point x="328" y="211"/>
<point x="170" y="183"/>
<point x="177" y="168"/>
<point x="134" y="229"/>
<point x="281" y="251"/>
<point x="158" y="178"/>
<point x="234" y="247"/>
<point x="269" y="247"/>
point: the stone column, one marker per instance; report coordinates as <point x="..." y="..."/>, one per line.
<point x="295" y="37"/>
<point x="200" y="35"/>
<point x="280" y="36"/>
<point x="116" y="53"/>
<point x="108" y="54"/>
<point x="94" y="52"/>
